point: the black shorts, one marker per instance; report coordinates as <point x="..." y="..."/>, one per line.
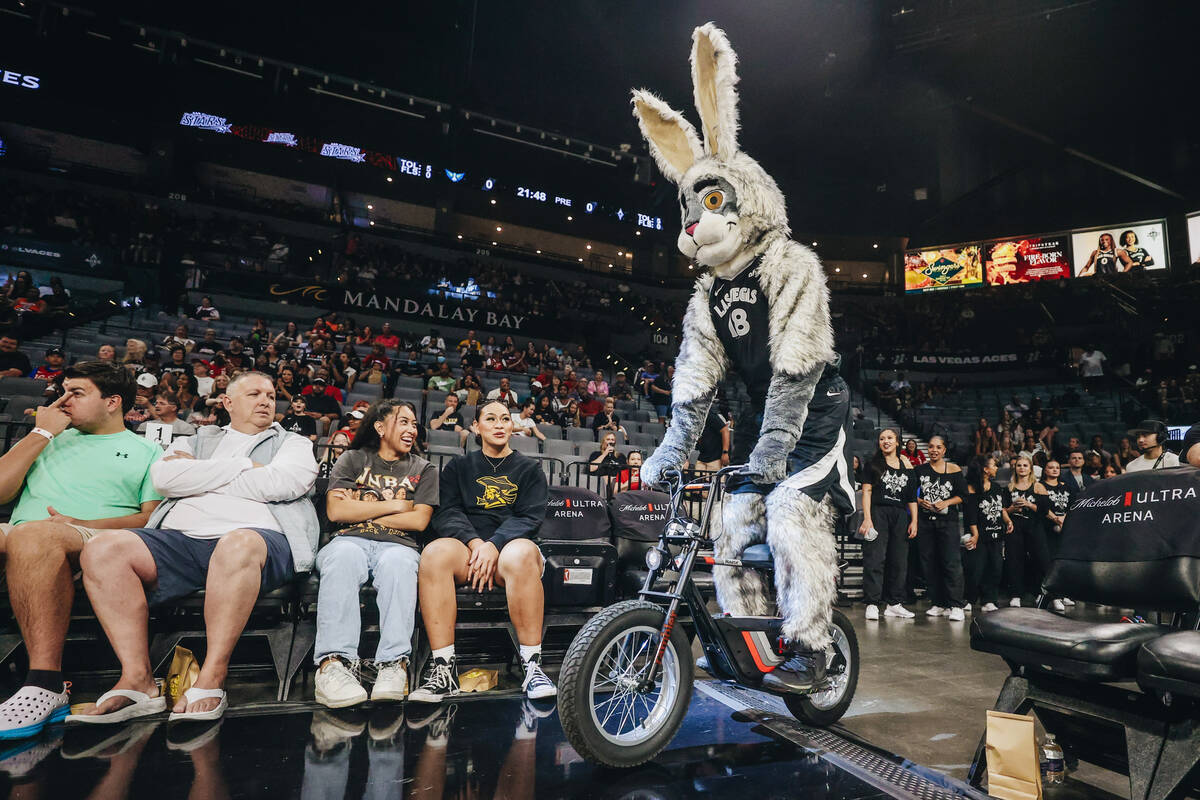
<point x="182" y="562"/>
<point x="820" y="463"/>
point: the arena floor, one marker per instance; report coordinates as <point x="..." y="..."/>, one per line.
<point x="911" y="733"/>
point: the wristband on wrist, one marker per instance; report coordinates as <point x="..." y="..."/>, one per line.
<point x="43" y="432"/>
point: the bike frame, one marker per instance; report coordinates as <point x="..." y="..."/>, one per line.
<point x="690" y="536"/>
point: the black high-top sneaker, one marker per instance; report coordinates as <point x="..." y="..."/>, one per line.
<point x="439" y="681"/>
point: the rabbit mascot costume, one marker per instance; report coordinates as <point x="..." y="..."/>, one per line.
<point x="761" y="310"/>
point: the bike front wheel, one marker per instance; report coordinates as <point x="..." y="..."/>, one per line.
<point x="610" y="712"/>
<point x="827" y="707"/>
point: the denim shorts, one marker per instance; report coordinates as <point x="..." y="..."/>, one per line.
<point x="182" y="562"/>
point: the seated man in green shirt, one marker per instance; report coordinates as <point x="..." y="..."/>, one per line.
<point x="78" y="471"/>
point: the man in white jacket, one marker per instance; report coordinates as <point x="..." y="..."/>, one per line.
<point x="221" y="531"/>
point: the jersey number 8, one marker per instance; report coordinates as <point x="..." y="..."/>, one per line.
<point x="739" y="324"/>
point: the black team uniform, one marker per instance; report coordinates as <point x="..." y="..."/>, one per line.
<point x="1027" y="541"/>
<point x="938" y="535"/>
<point x="892" y="489"/>
<point x="983" y="567"/>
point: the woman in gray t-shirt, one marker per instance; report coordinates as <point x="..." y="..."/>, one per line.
<point x="381" y="495"/>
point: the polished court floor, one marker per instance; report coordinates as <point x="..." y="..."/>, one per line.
<point x="911" y="733"/>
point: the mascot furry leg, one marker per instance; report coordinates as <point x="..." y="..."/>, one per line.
<point x="761" y="310"/>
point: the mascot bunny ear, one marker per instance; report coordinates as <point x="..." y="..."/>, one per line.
<point x="673" y="141"/>
<point x="714" y="82"/>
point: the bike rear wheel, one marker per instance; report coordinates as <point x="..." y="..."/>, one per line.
<point x="824" y="708"/>
<point x="607" y="712"/>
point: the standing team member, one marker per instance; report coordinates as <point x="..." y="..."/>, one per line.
<point x="1059" y="497"/>
<point x="987" y="521"/>
<point x="492" y="502"/>
<point x="938" y="538"/>
<point x="1028" y="539"/>
<point x="890" y="508"/>
<point x="1151" y="435"/>
<point x="383" y="495"/>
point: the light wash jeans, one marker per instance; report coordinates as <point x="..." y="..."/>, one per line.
<point x="345" y="564"/>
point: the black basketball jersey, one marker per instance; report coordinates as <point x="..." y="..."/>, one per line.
<point x="1139" y="256"/>
<point x="1106" y="262"/>
<point x="739" y="314"/>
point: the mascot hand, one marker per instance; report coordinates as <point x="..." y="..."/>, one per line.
<point x="768" y="461"/>
<point x="654" y="466"/>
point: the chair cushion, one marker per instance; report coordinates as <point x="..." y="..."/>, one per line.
<point x="1100" y="651"/>
<point x="1171" y="663"/>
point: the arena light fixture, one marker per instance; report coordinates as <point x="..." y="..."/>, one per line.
<point x="493" y="201"/>
<point x="864" y="274"/>
<point x="814" y="244"/>
<point x="460" y="236"/>
<point x="835" y="269"/>
<point x="637" y="233"/>
<point x="499" y="229"/>
<point x="370" y="207"/>
<point x="318" y="251"/>
<point x="589" y="247"/>
<point x="569" y="218"/>
<point x="620" y="252"/>
<point x="389" y="178"/>
<point x="876" y="245"/>
<point x="539" y="252"/>
<point x="495" y="243"/>
<point x="581" y="260"/>
<point x="372" y="223"/>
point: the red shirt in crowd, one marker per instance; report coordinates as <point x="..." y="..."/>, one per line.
<point x="390" y="341"/>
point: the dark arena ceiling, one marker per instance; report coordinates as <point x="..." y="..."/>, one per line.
<point x="934" y="120"/>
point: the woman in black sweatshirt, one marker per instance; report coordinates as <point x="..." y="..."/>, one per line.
<point x="890" y="511"/>
<point x="492" y="502"/>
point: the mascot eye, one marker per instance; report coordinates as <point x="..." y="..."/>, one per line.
<point x="713" y="200"/>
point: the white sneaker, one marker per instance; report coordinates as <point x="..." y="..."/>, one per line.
<point x="872" y="611"/>
<point x="338" y="686"/>
<point x="935" y="611"/>
<point x="1068" y="602"/>
<point x="1014" y="603"/>
<point x="1058" y="605"/>
<point x="989" y="607"/>
<point x="32" y="708"/>
<point x="898" y="610"/>
<point x="392" y="681"/>
<point x="956" y="615"/>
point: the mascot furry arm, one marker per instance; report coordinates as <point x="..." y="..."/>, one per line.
<point x="734" y="221"/>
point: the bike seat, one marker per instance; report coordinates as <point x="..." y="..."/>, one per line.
<point x="757" y="555"/>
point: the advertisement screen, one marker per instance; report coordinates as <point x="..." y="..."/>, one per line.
<point x="1119" y="248"/>
<point x="1194" y="237"/>
<point x="1028" y="259"/>
<point x="942" y="268"/>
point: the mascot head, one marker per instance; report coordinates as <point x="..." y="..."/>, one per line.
<point x="728" y="203"/>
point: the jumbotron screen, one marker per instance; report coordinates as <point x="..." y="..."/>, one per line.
<point x="1027" y="259"/>
<point x="942" y="268"/>
<point x="1114" y="249"/>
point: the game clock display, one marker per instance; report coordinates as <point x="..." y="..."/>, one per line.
<point x="532" y="194"/>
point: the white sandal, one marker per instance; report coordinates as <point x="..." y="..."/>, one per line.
<point x="142" y="705"/>
<point x="194" y="694"/>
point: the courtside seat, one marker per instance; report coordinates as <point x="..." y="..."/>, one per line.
<point x="1171" y="663"/>
<point x="1093" y="651"/>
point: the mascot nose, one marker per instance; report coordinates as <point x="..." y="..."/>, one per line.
<point x="690" y="229"/>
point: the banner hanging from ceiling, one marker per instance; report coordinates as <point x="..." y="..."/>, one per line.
<point x="1115" y="249"/>
<point x="942" y="268"/>
<point x="1027" y="259"/>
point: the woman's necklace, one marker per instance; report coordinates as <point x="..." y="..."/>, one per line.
<point x="495" y="464"/>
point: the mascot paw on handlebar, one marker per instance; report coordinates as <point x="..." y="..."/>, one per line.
<point x="657" y="465"/>
<point x="769" y="460"/>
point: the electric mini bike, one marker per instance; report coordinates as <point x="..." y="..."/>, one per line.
<point x="626" y="681"/>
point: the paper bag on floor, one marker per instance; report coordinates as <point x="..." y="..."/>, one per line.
<point x="478" y="680"/>
<point x="1012" y="757"/>
<point x="183" y="673"/>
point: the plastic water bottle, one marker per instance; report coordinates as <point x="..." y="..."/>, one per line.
<point x="871" y="534"/>
<point x="1055" y="764"/>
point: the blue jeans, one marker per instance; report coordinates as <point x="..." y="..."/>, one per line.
<point x="345" y="564"/>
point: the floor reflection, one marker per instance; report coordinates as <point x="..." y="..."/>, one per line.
<point x="499" y="747"/>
